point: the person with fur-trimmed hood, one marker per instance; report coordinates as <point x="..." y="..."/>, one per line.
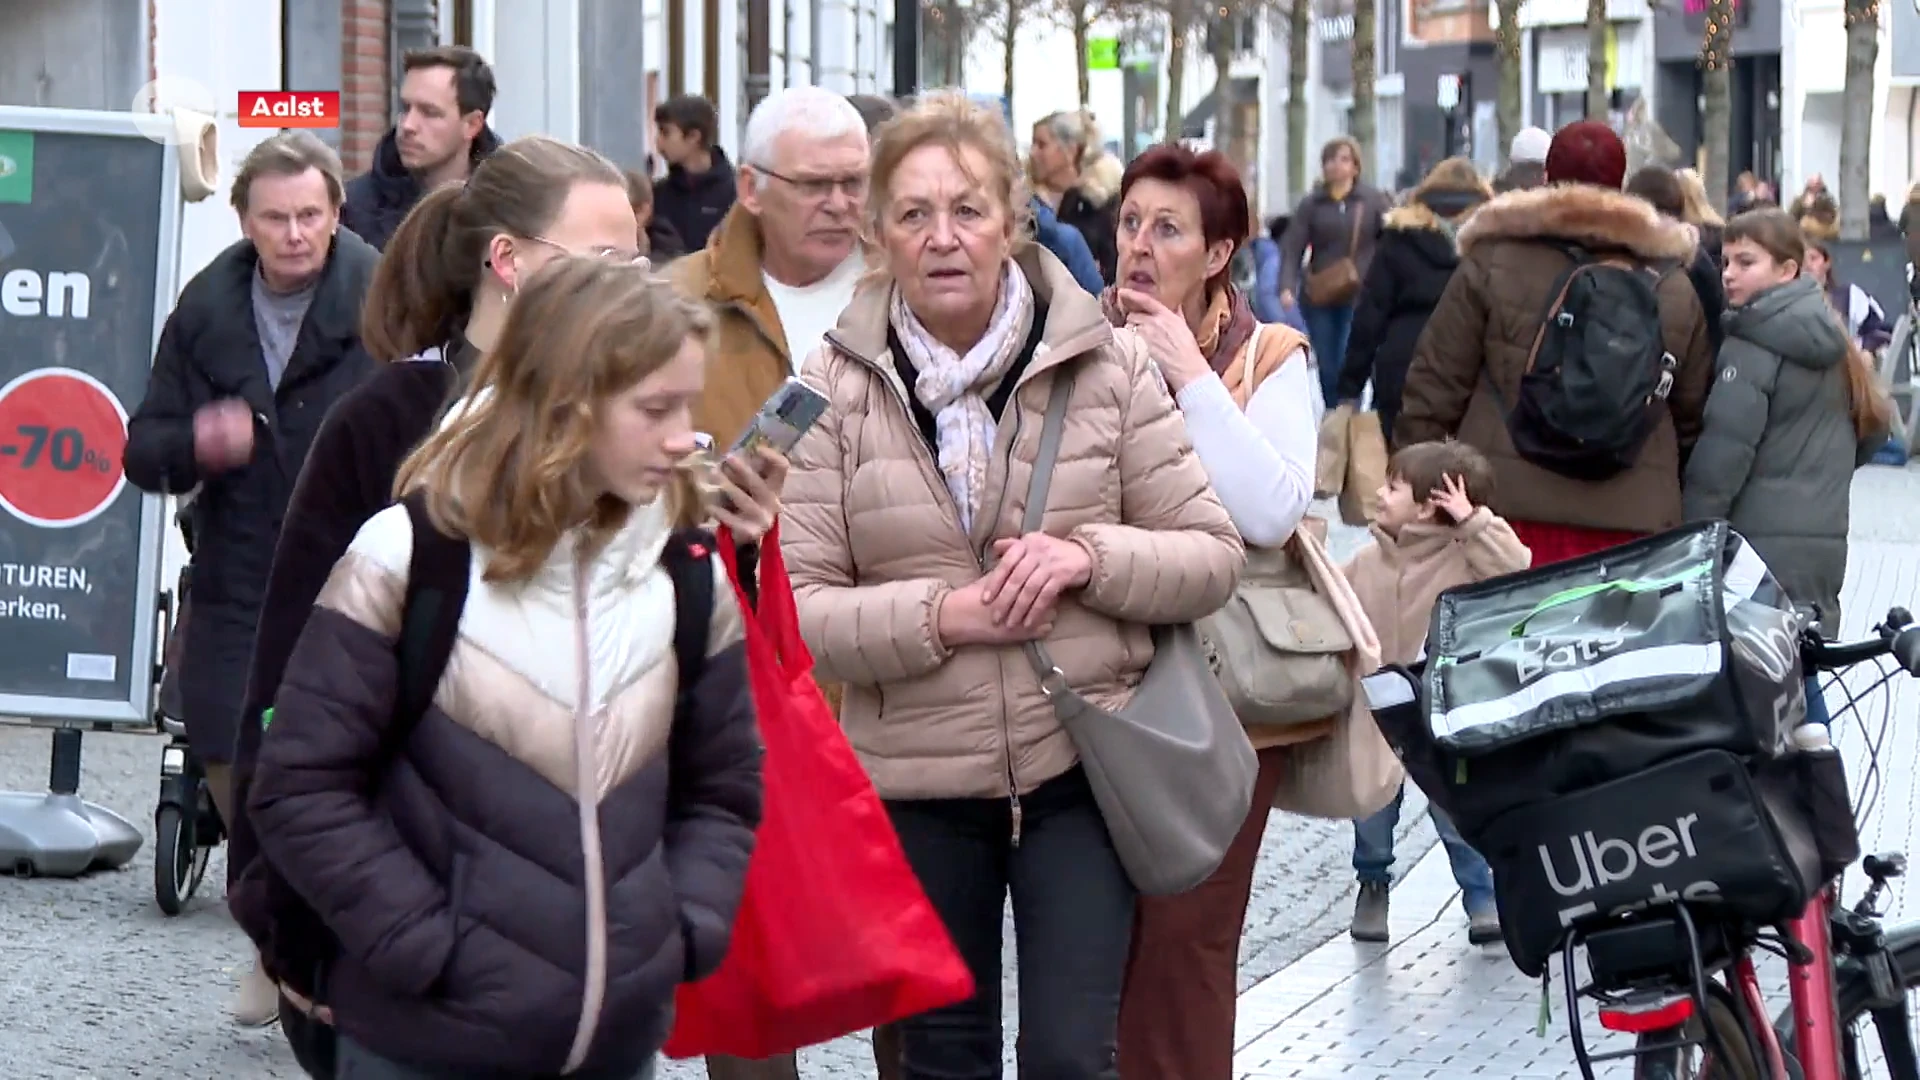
<point x="1477" y="343"/>
<point x="1412" y="262"/>
<point x="1074" y="175"/>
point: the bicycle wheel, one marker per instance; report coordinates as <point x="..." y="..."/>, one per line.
<point x="179" y="862"/>
<point x="1727" y="1022"/>
<point x="1866" y="1048"/>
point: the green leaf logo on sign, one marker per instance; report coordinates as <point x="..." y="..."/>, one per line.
<point x="16" y="166"/>
<point x="1103" y="54"/>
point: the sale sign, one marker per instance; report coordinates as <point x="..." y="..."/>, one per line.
<point x="61" y="436"/>
<point x="289" y="108"/>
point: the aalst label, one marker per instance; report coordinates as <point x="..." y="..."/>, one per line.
<point x="289" y="108"/>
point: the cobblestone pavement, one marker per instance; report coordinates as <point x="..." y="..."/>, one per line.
<point x="1431" y="1005"/>
<point x="96" y="983"/>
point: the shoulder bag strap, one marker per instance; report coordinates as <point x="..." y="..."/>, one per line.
<point x="686" y="560"/>
<point x="1359" y="217"/>
<point x="1250" y="366"/>
<point x="1052" y="682"/>
<point x="438" y="572"/>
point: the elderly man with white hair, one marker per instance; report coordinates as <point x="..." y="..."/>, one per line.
<point x="784" y="262"/>
<point x="778" y="270"/>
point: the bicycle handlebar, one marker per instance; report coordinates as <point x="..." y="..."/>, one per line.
<point x="1894" y="637"/>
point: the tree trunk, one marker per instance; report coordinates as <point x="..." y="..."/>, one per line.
<point x="1299" y="36"/>
<point x="1597" y="60"/>
<point x="956" y="45"/>
<point x="1363" y="76"/>
<point x="1179" y="25"/>
<point x="1856" y="119"/>
<point x="1506" y="101"/>
<point x="1009" y="39"/>
<point x="1716" y="114"/>
<point x="1226" y="134"/>
<point x="1082" y="32"/>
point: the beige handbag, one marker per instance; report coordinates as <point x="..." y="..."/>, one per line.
<point x="1277" y="646"/>
<point x="1367" y="460"/>
<point x="1330" y="460"/>
<point x="1352" y="772"/>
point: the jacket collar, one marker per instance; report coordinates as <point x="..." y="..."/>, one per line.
<point x="1580" y="214"/>
<point x="1417" y="541"/>
<point x="1075" y="323"/>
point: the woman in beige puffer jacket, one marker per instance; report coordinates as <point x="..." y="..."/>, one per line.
<point x="915" y="479"/>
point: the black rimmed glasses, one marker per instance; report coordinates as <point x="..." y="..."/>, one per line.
<point x="818" y="188"/>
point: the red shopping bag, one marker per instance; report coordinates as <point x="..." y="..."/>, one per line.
<point x="834" y="934"/>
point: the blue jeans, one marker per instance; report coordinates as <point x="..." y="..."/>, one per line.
<point x="1373" y="854"/>
<point x="1327" y="331"/>
<point x="1817" y="712"/>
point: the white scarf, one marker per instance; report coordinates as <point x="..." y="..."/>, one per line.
<point x="953" y="387"/>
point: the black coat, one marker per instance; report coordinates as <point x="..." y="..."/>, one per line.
<point x="1412" y="262"/>
<point x="1096" y="222"/>
<point x="210" y="351"/>
<point x="378" y="201"/>
<point x="693" y="203"/>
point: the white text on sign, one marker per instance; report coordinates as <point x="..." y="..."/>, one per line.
<point x="58" y="295"/>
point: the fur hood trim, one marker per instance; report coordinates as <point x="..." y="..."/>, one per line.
<point x="1412" y="217"/>
<point x="1581" y="214"/>
<point x="1100" y="179"/>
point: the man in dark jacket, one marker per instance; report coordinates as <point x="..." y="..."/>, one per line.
<point x="699" y="186"/>
<point x="442" y="132"/>
<point x="261" y="343"/>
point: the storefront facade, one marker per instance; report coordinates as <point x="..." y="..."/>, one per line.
<point x="1554" y="52"/>
<point x="1762" y="141"/>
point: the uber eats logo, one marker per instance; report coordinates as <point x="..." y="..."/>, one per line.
<point x="16" y="166"/>
<point x="1586" y="862"/>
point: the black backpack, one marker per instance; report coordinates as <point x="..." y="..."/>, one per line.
<point x="1599" y="371"/>
<point x="299" y="946"/>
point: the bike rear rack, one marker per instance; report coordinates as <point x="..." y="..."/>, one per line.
<point x="1639" y="956"/>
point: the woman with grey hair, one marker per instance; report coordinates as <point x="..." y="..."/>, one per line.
<point x="1079" y="180"/>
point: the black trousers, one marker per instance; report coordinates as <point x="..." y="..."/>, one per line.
<point x="356" y="1062"/>
<point x="1073" y="924"/>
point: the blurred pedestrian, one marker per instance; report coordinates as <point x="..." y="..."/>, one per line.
<point x="699" y="187"/>
<point x="1526" y="161"/>
<point x="1663" y="189"/>
<point x="1073" y="173"/>
<point x="1326" y="251"/>
<point x="655" y="238"/>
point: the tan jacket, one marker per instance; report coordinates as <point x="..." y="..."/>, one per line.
<point x="750" y="356"/>
<point x="874" y="546"/>
<point x="1400" y="579"/>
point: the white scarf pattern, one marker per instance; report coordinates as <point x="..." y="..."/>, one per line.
<point x="953" y="387"/>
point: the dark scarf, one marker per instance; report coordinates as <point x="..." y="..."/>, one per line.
<point x="1226" y="326"/>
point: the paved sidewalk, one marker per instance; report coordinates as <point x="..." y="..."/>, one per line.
<point x="1430" y="1005"/>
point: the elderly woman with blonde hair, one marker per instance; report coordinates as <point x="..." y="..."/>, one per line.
<point x="1073" y="173"/>
<point x="919" y="583"/>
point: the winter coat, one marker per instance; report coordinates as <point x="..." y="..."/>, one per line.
<point x="694" y="203"/>
<point x="874" y="546"/>
<point x="1399" y="579"/>
<point x="210" y="350"/>
<point x="347" y="478"/>
<point x="1321" y="231"/>
<point x="1481" y="334"/>
<point x="1412" y="262"/>
<point x="519" y="887"/>
<point x="1092" y="205"/>
<point x="378" y="200"/>
<point x="1067" y="245"/>
<point x="1779" y="450"/>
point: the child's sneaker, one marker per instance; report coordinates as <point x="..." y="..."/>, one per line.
<point x="1483" y="926"/>
<point x="1370" y="913"/>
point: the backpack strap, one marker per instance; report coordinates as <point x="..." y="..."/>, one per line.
<point x="688" y="559"/>
<point x="437" y="577"/>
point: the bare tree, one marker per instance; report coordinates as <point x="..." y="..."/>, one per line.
<point x="1078" y="17"/>
<point x="1180" y="15"/>
<point x="946" y="26"/>
<point x="1856" y="121"/>
<point x="1506" y="100"/>
<point x="1716" y="114"/>
<point x="1364" y="72"/>
<point x="1299" y="37"/>
<point x="1009" y="16"/>
<point x="1597" y="59"/>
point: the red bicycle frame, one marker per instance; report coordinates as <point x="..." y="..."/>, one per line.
<point x="1816" y="1009"/>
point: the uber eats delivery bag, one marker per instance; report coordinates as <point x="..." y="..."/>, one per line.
<point x="1725" y="834"/>
<point x="1560" y="679"/>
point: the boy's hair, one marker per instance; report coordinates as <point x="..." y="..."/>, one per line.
<point x="1425" y="467"/>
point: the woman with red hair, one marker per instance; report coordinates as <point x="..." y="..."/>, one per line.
<point x="1246" y="391"/>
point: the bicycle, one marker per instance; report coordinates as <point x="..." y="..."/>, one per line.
<point x="1683" y="982"/>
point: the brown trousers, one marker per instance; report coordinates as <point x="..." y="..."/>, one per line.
<point x="886" y="1060"/>
<point x="1177" y="1011"/>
